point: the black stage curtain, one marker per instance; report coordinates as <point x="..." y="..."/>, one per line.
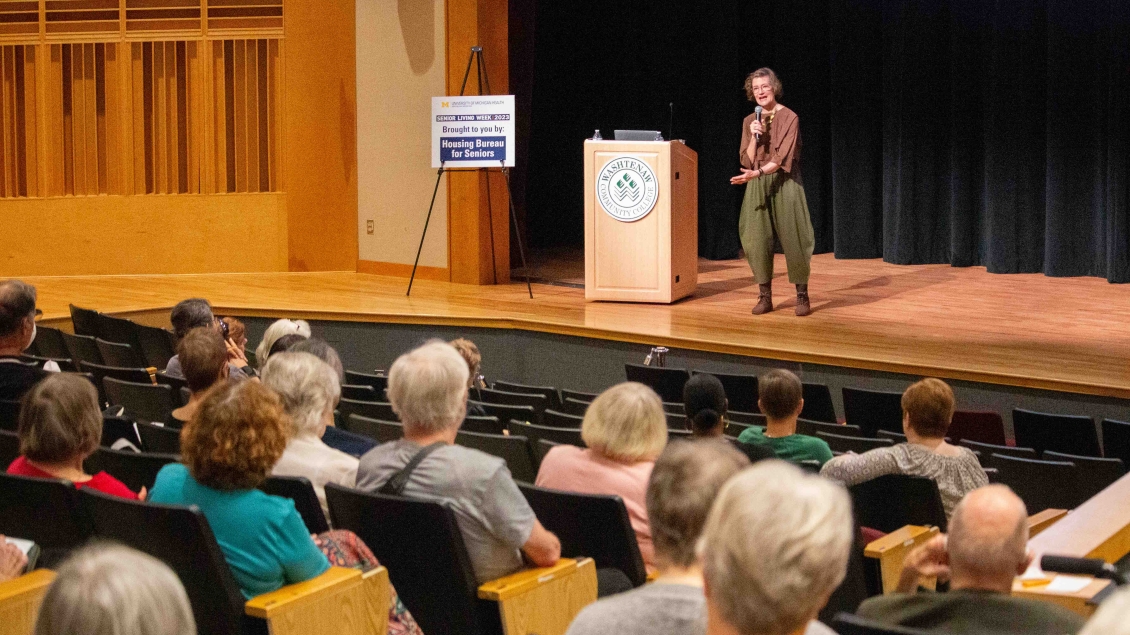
<point x="971" y="132"/>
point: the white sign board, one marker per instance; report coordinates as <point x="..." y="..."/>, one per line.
<point x="473" y="132"/>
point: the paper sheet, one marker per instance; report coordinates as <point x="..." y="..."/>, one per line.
<point x="1068" y="583"/>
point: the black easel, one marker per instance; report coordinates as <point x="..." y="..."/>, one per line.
<point x="476" y="58"/>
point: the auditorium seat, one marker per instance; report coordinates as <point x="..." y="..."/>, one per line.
<point x="64" y="363"/>
<point x="176" y="383"/>
<point x="420" y="543"/>
<point x="674" y="408"/>
<point x="892" y="501"/>
<point x="554" y="419"/>
<point x="84" y="321"/>
<point x="536" y="432"/>
<point x="119" y="428"/>
<point x="359" y="392"/>
<point x="508" y="412"/>
<point x="301" y="491"/>
<point x="158" y="439"/>
<point x="371" y="409"/>
<point x="675" y="433"/>
<point x="986" y="449"/>
<point x="117" y="330"/>
<point x="157" y="345"/>
<point x="736" y="428"/>
<point x="804" y="426"/>
<point x="482" y="425"/>
<point x="1069" y="434"/>
<point x="135" y="469"/>
<point x="9" y="448"/>
<point x="46" y="511"/>
<point x="818" y="404"/>
<point x="573" y="517"/>
<point x="741" y="390"/>
<point x="49" y="343"/>
<point x="542" y="447"/>
<point x="9" y="415"/>
<point x="513" y="449"/>
<point x="1116" y="440"/>
<point x="848" y="624"/>
<point x="1093" y="474"/>
<point x="983" y="427"/>
<point x="378" y="382"/>
<point x="587" y="397"/>
<point x="811" y="466"/>
<point x="748" y="418"/>
<point x="498" y="397"/>
<point x="859" y="445"/>
<point x="82" y="348"/>
<point x="552" y="396"/>
<point x="574" y="407"/>
<point x="676" y="421"/>
<point x="142" y="401"/>
<point x="873" y="410"/>
<point x="100" y="372"/>
<point x="121" y="355"/>
<point x="1040" y="484"/>
<point x="666" y="382"/>
<point x="181" y="538"/>
<point x="382" y="431"/>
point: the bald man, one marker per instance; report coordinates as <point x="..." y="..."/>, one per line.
<point x="986" y="548"/>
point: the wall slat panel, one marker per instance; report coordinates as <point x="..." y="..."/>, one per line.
<point x="31" y="122"/>
<point x="240" y="108"/>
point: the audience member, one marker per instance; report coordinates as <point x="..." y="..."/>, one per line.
<point x="683" y="484"/>
<point x="625" y="430"/>
<point x="470" y="354"/>
<point x="276" y="331"/>
<point x="352" y="444"/>
<point x="927" y="408"/>
<point x="428" y="391"/>
<point x="237" y="332"/>
<point x="17" y="332"/>
<point x="196" y="313"/>
<point x="236" y="437"/>
<point x="60" y="425"/>
<point x="106" y="589"/>
<point x="774" y="548"/>
<point x="1113" y="616"/>
<point x="780" y="399"/>
<point x="309" y="390"/>
<point x="985" y="550"/>
<point x="203" y="361"/>
<point x="705" y="404"/>
<point x="12" y="560"/>
<point x="284" y="343"/>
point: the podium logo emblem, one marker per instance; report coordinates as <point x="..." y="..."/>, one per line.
<point x="627" y="189"/>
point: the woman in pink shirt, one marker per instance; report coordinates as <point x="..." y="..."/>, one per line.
<point x="625" y="431"/>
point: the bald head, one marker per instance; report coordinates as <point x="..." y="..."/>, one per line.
<point x="988" y="537"/>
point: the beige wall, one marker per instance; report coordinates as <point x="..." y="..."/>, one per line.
<point x="400" y="67"/>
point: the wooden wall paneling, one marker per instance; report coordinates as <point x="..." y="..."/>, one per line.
<point x="109" y="122"/>
<point x="56" y="124"/>
<point x="276" y="103"/>
<point x="239" y="90"/>
<point x="7" y="140"/>
<point x="195" y="115"/>
<point x="31" y="120"/>
<point x="219" y="164"/>
<point x="89" y="120"/>
<point x="142" y="149"/>
<point x="78" y="121"/>
<point x="172" y="119"/>
<point x="96" y="102"/>
<point x="263" y="118"/>
<point x="208" y="167"/>
<point x="160" y="161"/>
<point x="252" y="79"/>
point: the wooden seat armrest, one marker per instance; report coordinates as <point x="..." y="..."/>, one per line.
<point x="521" y="582"/>
<point x="891" y="550"/>
<point x="333" y="581"/>
<point x="20" y="599"/>
<point x="27" y="583"/>
<point x="1043" y="520"/>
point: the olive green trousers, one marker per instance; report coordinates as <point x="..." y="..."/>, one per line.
<point x="775" y="204"/>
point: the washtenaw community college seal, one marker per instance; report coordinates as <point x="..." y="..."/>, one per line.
<point x="627" y="188"/>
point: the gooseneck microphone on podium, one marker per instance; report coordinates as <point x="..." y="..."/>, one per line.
<point x="1082" y="566"/>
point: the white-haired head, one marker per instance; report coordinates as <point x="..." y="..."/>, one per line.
<point x="988" y="539"/>
<point x="774" y="548"/>
<point x="428" y="388"/>
<point x="107" y="589"/>
<point x="1113" y="616"/>
<point x="309" y="389"/>
<point x="275" y="332"/>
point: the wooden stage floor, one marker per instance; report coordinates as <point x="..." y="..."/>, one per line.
<point x="1021" y="330"/>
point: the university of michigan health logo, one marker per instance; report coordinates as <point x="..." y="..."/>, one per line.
<point x="627" y="189"/>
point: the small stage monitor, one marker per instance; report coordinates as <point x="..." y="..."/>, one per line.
<point x="638" y="135"/>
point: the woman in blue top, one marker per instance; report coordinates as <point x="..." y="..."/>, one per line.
<point x="229" y="448"/>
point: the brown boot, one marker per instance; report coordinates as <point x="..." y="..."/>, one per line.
<point x="802" y="306"/>
<point x="765" y="302"/>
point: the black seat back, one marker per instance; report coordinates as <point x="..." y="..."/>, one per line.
<point x="873" y="410"/>
<point x="142" y="401"/>
<point x="121" y="355"/>
<point x="507" y="412"/>
<point x="179" y="386"/>
<point x="536" y="401"/>
<point x="987" y="449"/>
<point x="100" y="372"/>
<point x="119" y="428"/>
<point x="818" y="404"/>
<point x="158" y="439"/>
<point x="301" y="491"/>
<point x="9" y="448"/>
<point x="157" y="345"/>
<point x="1093" y="475"/>
<point x="359" y="392"/>
<point x="135" y="469"/>
<point x="181" y="538"/>
<point x="46" y="511"/>
<point x="676" y="421"/>
<point x="741" y="390"/>
<point x="748" y="418"/>
<point x="575" y="407"/>
<point x="371" y="409"/>
<point x="552" y="396"/>
<point x="9" y="415"/>
<point x="382" y="431"/>
<point x="84" y="321"/>
<point x="482" y="425"/>
<point x="845" y="443"/>
<point x="49" y="343"/>
<point x="804" y="426"/>
<point x="513" y="449"/>
<point x="421" y="545"/>
<point x="892" y="501"/>
<point x="1040" y="484"/>
<point x="1116" y="440"/>
<point x="118" y="330"/>
<point x="557" y="435"/>
<point x="579" y="395"/>
<point x="555" y="419"/>
<point x="666" y="382"/>
<point x="573" y="518"/>
<point x="82" y="348"/>
<point x="378" y="382"/>
<point x="65" y="363"/>
<point x="1068" y="434"/>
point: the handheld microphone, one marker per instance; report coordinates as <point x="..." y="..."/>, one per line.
<point x="757" y="111"/>
<point x="1082" y="566"/>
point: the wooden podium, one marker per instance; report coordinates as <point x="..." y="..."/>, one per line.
<point x="641" y="221"/>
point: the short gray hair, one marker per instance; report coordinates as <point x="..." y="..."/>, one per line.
<point x="774" y="548"/>
<point x="276" y="331"/>
<point x="107" y="589"/>
<point x="321" y="349"/>
<point x="1113" y="616"/>
<point x="306" y="385"/>
<point x="428" y="388"/>
<point x="17" y="303"/>
<point x="988" y="533"/>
